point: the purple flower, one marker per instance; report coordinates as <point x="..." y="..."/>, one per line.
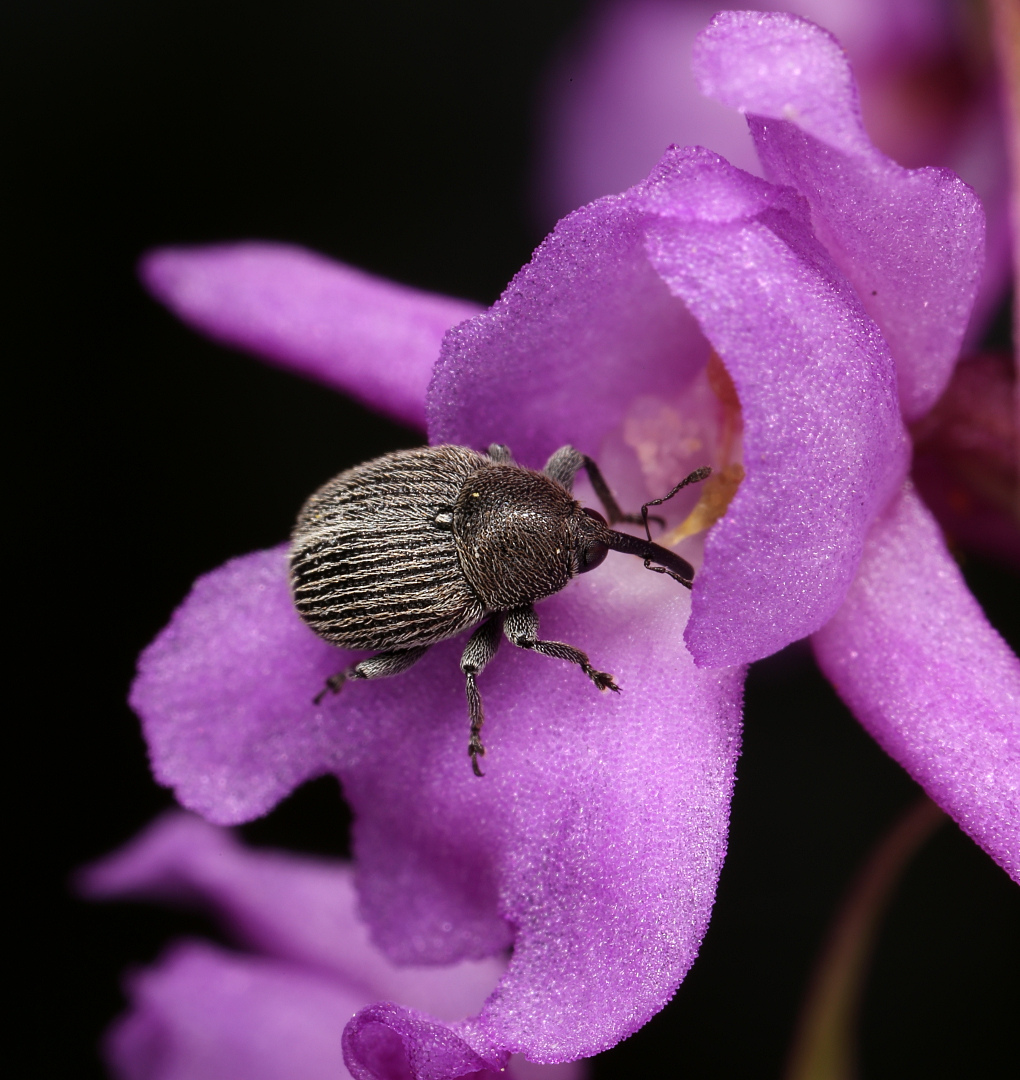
<point x="274" y="1012"/>
<point x="624" y="90"/>
<point x="836" y="293"/>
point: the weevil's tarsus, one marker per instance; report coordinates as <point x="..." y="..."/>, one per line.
<point x="480" y="649"/>
<point x="333" y="686"/>
<point x="521" y="628"/>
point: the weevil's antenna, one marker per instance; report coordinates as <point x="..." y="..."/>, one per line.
<point x="695" y="477"/>
<point x="679" y="569"/>
<point x="669" y="562"/>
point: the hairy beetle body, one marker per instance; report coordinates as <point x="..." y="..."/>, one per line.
<point x="418" y="545"/>
<point x="370" y="568"/>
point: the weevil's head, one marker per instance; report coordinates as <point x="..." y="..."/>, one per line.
<point x="594" y="539"/>
<point x="522" y="536"/>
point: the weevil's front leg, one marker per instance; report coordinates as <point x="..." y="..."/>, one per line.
<point x="500" y="454"/>
<point x="374" y="667"/>
<point x="562" y="467"/>
<point x="480" y="649"/>
<point x="692" y="478"/>
<point x="521" y="627"/>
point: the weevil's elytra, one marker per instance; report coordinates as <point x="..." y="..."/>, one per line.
<point x="414" y="547"/>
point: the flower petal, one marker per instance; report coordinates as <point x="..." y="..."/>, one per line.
<point x="386" y="1042"/>
<point x="599" y="827"/>
<point x="913" y="656"/>
<point x="202" y="1013"/>
<point x="225" y="693"/>
<point x="593" y="844"/>
<point x="581" y="330"/>
<point x="589" y="325"/>
<point x="370" y="338"/>
<point x="621" y="93"/>
<point x="292" y="908"/>
<point x="911" y="241"/>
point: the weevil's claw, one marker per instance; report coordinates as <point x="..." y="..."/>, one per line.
<point x="333" y="685"/>
<point x="602" y="679"/>
<point x="476" y="750"/>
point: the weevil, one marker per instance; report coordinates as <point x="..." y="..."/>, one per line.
<point x="418" y="545"/>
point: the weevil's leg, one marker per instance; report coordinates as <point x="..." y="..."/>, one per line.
<point x="374" y="667"/>
<point x="563" y="466"/>
<point x="696" y="476"/>
<point x="500" y="454"/>
<point x="480" y="649"/>
<point x="521" y="626"/>
<point x="613" y="511"/>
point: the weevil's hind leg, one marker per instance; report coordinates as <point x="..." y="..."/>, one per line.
<point x="500" y="454"/>
<point x="374" y="667"/>
<point x="480" y="649"/>
<point x="521" y="627"/>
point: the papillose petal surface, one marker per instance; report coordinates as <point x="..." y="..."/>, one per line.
<point x="293" y="908"/>
<point x="911" y="241"/>
<point x="202" y="1013"/>
<point x="622" y="299"/>
<point x="368" y="337"/>
<point x="593" y="844"/>
<point x="225" y="693"/>
<point x="914" y="657"/>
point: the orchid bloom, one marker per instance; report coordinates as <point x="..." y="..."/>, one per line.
<point x="276" y="1010"/>
<point x="780" y="329"/>
<point x="624" y="90"/>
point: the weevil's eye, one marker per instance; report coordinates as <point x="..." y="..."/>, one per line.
<point x="592" y="555"/>
<point x="592" y="552"/>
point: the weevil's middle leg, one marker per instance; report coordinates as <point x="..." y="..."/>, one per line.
<point x="480" y="649"/>
<point x="373" y="667"/>
<point x="521" y="627"/>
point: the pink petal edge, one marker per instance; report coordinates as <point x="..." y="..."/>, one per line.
<point x="911" y="241"/>
<point x="360" y="334"/>
<point x="915" y="659"/>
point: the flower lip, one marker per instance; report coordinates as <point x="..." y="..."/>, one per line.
<point x="636" y="297"/>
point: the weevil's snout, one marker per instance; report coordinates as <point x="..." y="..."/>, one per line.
<point x="596" y="540"/>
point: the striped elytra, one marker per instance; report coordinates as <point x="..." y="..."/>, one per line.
<point x="371" y="568"/>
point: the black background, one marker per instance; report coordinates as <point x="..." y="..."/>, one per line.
<point x="395" y="136"/>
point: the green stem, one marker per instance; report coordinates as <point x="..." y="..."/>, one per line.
<point x="825" y="1045"/>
